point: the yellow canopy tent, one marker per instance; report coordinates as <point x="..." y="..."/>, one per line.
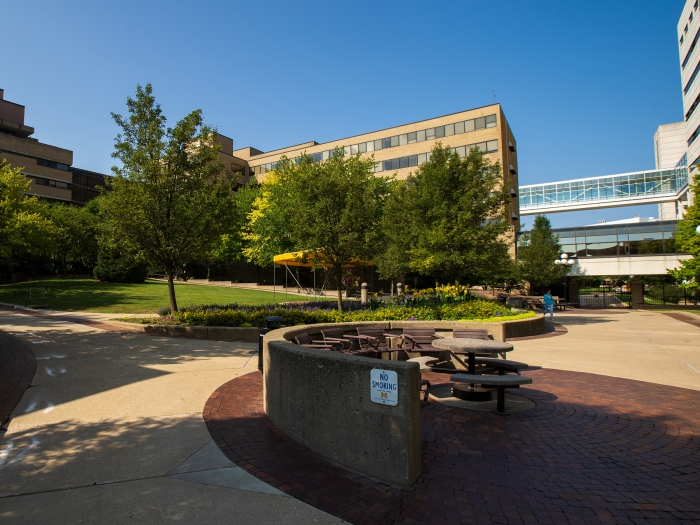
<point x="298" y="258"/>
<point x="304" y="259"/>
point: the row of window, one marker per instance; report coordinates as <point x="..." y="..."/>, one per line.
<point x="438" y="132"/>
<point x="690" y="49"/>
<point x="690" y="21"/>
<point x="490" y="146"/>
<point x="52" y="164"/>
<point x="50" y="182"/>
<point x="618" y="240"/>
<point x="410" y="161"/>
<point x="693" y="107"/>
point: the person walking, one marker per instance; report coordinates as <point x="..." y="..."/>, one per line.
<point x="548" y="301"/>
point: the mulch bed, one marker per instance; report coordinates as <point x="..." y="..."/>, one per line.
<point x="595" y="449"/>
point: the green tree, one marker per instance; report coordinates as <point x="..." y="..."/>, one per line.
<point x="75" y="234"/>
<point x="267" y="233"/>
<point x="537" y="252"/>
<point x="688" y="241"/>
<point x="231" y="245"/>
<point x="448" y="220"/>
<point x="332" y="209"/>
<point x="25" y="230"/>
<point x="170" y="197"/>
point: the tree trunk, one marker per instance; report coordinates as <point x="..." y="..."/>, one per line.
<point x="339" y="272"/>
<point x="171" y="293"/>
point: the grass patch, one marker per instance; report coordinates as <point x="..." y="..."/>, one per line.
<point x="83" y="294"/>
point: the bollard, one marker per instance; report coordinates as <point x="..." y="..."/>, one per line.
<point x="263" y="331"/>
<point x="399" y="288"/>
<point x="363" y="293"/>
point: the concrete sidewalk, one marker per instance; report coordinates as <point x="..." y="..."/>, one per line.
<point x="642" y="345"/>
<point x="111" y="431"/>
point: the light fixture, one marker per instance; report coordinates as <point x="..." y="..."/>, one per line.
<point x="564" y="256"/>
<point x="698" y="229"/>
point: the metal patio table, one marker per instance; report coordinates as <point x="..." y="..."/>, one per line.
<point x="472" y="348"/>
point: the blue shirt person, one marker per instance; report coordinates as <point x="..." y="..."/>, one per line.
<point x="548" y="304"/>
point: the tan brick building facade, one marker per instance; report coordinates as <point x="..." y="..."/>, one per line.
<point x="49" y="168"/>
<point x="402" y="149"/>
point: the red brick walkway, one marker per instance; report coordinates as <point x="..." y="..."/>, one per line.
<point x="17" y="367"/>
<point x="595" y="449"/>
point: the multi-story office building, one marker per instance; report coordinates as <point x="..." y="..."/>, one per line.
<point x="402" y="149"/>
<point x="689" y="52"/>
<point x="48" y="167"/>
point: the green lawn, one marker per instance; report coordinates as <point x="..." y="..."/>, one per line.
<point x="85" y="295"/>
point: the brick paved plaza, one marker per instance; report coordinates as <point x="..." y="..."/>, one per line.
<point x="112" y="431"/>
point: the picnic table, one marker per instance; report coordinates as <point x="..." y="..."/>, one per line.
<point x="471" y="348"/>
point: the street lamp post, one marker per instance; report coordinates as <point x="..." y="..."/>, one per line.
<point x="567" y="263"/>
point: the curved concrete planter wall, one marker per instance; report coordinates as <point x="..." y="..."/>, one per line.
<point x="322" y="399"/>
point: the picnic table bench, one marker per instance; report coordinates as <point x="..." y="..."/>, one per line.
<point x="500" y="382"/>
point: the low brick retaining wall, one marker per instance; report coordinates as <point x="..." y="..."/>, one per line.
<point x="218" y="333"/>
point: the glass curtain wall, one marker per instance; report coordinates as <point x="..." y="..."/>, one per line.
<point x="616" y="240"/>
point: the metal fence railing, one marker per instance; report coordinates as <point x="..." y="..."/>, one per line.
<point x="663" y="294"/>
<point x="605" y="297"/>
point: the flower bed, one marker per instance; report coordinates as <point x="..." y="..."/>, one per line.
<point x="449" y="303"/>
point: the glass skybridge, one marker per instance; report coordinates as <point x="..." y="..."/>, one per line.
<point x="628" y="189"/>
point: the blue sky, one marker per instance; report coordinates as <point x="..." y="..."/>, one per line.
<point x="583" y="84"/>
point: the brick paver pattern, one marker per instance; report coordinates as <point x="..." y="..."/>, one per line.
<point x="17" y="367"/>
<point x="595" y="449"/>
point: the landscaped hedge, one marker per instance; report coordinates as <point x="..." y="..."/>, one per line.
<point x="305" y="313"/>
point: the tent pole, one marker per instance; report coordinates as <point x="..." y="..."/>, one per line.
<point x="274" y="284"/>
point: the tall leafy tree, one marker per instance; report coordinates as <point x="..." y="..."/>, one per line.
<point x="537" y="252"/>
<point x="75" y="232"/>
<point x="332" y="208"/>
<point x="231" y="245"/>
<point x="448" y="220"/>
<point x="688" y="241"/>
<point x="25" y="229"/>
<point x="170" y="196"/>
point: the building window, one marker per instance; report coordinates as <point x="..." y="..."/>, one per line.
<point x="490" y="146"/>
<point x="439" y="132"/>
<point x="694" y="136"/>
<point x="690" y="49"/>
<point x="692" y="78"/>
<point x="692" y="108"/>
<point x="52" y="164"/>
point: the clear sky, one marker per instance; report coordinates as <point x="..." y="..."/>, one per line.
<point x="583" y="84"/>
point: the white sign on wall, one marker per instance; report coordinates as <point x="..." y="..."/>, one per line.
<point x="384" y="387"/>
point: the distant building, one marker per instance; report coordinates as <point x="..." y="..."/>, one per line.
<point x="669" y="152"/>
<point x="402" y="149"/>
<point x="688" y="30"/>
<point x="48" y="167"/>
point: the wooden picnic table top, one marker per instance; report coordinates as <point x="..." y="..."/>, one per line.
<point x="460" y="345"/>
